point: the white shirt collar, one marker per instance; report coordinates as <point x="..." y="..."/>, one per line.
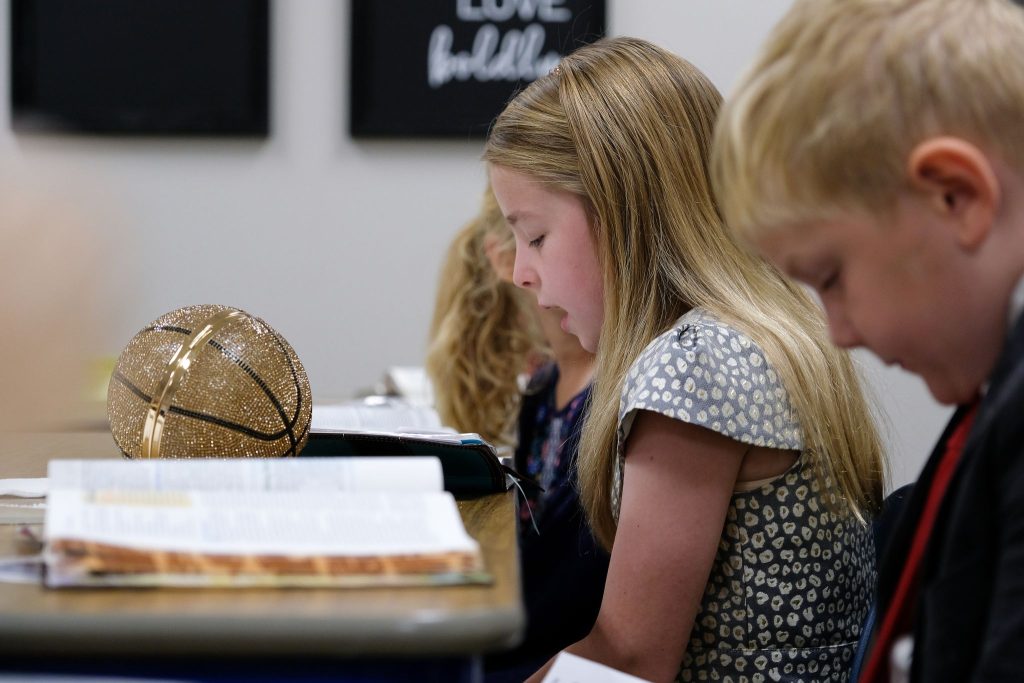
<point x="1016" y="308"/>
<point x="1016" y="304"/>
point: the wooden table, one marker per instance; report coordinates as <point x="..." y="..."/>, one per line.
<point x="455" y="622"/>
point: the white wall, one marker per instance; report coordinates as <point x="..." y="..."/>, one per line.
<point x="336" y="242"/>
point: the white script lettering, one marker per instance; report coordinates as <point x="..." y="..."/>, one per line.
<point x="503" y="10"/>
<point x="518" y="57"/>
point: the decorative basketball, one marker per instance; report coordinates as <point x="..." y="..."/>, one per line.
<point x="209" y="381"/>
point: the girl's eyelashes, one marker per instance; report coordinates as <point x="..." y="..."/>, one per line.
<point x="536" y="242"/>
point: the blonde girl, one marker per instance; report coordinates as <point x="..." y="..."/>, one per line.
<point x="729" y="461"/>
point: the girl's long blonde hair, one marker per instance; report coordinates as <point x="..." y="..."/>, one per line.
<point x="483" y="333"/>
<point x="627" y="126"/>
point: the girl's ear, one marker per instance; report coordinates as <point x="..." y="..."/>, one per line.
<point x="961" y="185"/>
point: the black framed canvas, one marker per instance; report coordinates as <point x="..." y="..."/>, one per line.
<point x="141" y="67"/>
<point x="446" y="68"/>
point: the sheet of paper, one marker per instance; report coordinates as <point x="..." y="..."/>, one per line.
<point x="568" y="668"/>
<point x="377" y="416"/>
<point x="435" y="437"/>
<point x="412" y="383"/>
<point x="379" y="473"/>
<point x="21" y="569"/>
<point x="21" y="512"/>
<point x="23" y="488"/>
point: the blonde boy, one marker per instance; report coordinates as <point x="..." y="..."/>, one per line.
<point x="875" y="151"/>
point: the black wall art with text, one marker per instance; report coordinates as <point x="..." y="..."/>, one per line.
<point x="427" y="68"/>
<point x="141" y="67"/>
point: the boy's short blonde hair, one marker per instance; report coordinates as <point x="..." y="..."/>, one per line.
<point x="842" y="92"/>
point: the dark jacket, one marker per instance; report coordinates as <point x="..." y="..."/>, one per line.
<point x="563" y="568"/>
<point x="969" y="619"/>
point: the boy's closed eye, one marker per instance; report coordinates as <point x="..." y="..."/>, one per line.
<point x="829" y="281"/>
<point x="821" y="274"/>
<point x="536" y="242"/>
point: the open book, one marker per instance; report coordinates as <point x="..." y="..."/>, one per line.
<point x="292" y="522"/>
<point x="380" y="425"/>
<point x="379" y="414"/>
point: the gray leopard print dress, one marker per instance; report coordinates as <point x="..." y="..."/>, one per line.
<point x="791" y="582"/>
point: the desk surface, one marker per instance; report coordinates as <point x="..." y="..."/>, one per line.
<point x="337" y="622"/>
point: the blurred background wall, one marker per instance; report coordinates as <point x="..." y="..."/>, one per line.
<point x="337" y="242"/>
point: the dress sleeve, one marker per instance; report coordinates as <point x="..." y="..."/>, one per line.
<point x="709" y="374"/>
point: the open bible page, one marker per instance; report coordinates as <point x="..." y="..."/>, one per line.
<point x="378" y="416"/>
<point x="249" y="533"/>
<point x="378" y="473"/>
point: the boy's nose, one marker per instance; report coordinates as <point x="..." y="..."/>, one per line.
<point x="842" y="331"/>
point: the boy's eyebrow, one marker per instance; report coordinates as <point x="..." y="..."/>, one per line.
<point x="792" y="267"/>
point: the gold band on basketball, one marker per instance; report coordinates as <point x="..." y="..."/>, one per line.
<point x="209" y="381"/>
<point x="176" y="369"/>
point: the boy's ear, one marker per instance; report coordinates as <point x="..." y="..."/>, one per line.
<point x="961" y="184"/>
